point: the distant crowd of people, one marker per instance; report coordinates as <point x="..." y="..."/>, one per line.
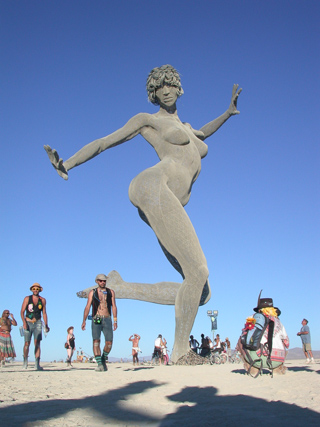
<point x="102" y="301"/>
<point x="207" y="345"/>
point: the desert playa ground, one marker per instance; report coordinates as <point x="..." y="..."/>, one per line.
<point x="158" y="396"/>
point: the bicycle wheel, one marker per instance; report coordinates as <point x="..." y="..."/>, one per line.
<point x="223" y="358"/>
<point x="211" y="359"/>
<point x="217" y="359"/>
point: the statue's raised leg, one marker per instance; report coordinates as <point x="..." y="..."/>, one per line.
<point x="158" y="293"/>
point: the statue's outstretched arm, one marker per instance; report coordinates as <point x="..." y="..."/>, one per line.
<point x="127" y="132"/>
<point x="213" y="126"/>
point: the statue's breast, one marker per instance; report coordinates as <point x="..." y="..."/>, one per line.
<point x="175" y="134"/>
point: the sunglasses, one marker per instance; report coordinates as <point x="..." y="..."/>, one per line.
<point x="35" y="289"/>
<point x="102" y="281"/>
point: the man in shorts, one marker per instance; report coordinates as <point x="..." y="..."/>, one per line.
<point x="32" y="307"/>
<point x="103" y="302"/>
<point x="306" y="340"/>
<point x="228" y="345"/>
<point x="135" y="338"/>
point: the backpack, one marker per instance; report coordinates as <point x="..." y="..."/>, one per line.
<point x="251" y="340"/>
<point x="251" y="336"/>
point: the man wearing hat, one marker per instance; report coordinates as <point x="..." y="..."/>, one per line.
<point x="103" y="302"/>
<point x="32" y="307"/>
<point x="279" y="343"/>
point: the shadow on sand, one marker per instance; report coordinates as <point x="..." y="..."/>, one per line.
<point x="201" y="404"/>
<point x="204" y="405"/>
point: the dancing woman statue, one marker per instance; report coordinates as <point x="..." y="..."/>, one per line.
<point x="160" y="193"/>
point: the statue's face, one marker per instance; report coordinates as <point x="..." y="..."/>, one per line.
<point x="167" y="95"/>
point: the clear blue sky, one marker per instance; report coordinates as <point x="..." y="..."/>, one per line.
<point x="75" y="71"/>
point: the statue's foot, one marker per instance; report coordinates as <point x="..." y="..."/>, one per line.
<point x="82" y="294"/>
<point x="56" y="162"/>
<point x="113" y="282"/>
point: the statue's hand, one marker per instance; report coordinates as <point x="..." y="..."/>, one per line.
<point x="56" y="162"/>
<point x="234" y="99"/>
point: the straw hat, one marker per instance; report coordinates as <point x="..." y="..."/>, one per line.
<point x="36" y="285"/>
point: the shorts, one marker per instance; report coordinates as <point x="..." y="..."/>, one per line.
<point x="105" y="326"/>
<point x="34" y="329"/>
<point x="306" y="346"/>
<point x="157" y="351"/>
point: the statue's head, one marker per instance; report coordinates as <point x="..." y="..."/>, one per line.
<point x="160" y="76"/>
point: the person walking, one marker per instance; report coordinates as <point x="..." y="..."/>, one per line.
<point x="305" y="336"/>
<point x="103" y="302"/>
<point x="33" y="307"/>
<point x="6" y="344"/>
<point x="71" y="345"/>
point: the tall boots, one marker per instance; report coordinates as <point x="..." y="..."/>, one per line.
<point x="37" y="366"/>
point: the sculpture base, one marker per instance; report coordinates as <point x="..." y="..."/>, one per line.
<point x="192" y="358"/>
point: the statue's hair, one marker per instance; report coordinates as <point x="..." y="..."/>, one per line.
<point x="159" y="76"/>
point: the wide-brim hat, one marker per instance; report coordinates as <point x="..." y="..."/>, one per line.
<point x="264" y="303"/>
<point x="101" y="277"/>
<point x="37" y="285"/>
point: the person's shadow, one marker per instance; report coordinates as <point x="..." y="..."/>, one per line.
<point x="200" y="406"/>
<point x="105" y="408"/>
<point x="207" y="408"/>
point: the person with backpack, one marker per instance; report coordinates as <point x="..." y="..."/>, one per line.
<point x="264" y="340"/>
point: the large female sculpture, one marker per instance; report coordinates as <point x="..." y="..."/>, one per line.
<point x="160" y="193"/>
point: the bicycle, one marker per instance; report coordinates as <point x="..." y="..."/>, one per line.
<point x="235" y="357"/>
<point x="214" y="358"/>
<point x="224" y="357"/>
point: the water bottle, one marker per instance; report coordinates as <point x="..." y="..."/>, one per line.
<point x="45" y="331"/>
